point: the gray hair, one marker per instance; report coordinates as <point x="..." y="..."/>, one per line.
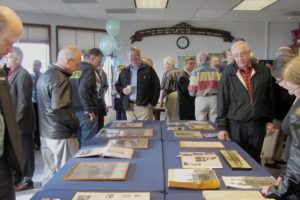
<point x="284" y="50"/>
<point x="169" y="60"/>
<point x="68" y="52"/>
<point x="19" y="53"/>
<point x="94" y="52"/>
<point x="202" y="57"/>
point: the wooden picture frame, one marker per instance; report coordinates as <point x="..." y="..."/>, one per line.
<point x="200" y="126"/>
<point x="132" y="143"/>
<point x="235" y="160"/>
<point x="201" y="145"/>
<point x="112" y="196"/>
<point x="121" y="133"/>
<point x="114" y="152"/>
<point x="233" y="195"/>
<point x="175" y="128"/>
<point x="98" y="171"/>
<point x="187" y="134"/>
<point x="126" y="124"/>
<point x="248" y="182"/>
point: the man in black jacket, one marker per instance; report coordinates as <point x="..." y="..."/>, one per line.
<point x="11" y="155"/>
<point x="139" y="86"/>
<point x="58" y="122"/>
<point x="245" y="101"/>
<point x="84" y="95"/>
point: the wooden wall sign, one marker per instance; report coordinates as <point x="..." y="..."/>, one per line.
<point x="182" y="29"/>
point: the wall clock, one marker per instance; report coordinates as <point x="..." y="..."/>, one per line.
<point x="182" y="42"/>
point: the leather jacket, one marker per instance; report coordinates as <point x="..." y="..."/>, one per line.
<point x="56" y="117"/>
<point x="291" y="177"/>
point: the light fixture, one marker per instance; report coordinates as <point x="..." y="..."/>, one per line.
<point x="151" y="3"/>
<point x="254" y="4"/>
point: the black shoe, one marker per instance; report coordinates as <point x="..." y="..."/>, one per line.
<point x="280" y="162"/>
<point x="273" y="165"/>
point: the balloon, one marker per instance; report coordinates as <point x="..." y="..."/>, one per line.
<point x="119" y="44"/>
<point x="112" y="27"/>
<point x="115" y="61"/>
<point x="107" y="45"/>
<point x="103" y="60"/>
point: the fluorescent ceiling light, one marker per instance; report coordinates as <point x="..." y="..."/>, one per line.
<point x="151" y="3"/>
<point x="254" y="4"/>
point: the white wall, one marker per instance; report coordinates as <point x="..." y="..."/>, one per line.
<point x="264" y="37"/>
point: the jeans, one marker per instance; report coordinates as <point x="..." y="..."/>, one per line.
<point x="87" y="129"/>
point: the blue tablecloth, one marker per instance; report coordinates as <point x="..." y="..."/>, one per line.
<point x="68" y="195"/>
<point x="169" y="135"/>
<point x="171" y="149"/>
<point x="155" y="125"/>
<point x="145" y="173"/>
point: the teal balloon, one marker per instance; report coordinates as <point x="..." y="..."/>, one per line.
<point x="107" y="45"/>
<point x="115" y="61"/>
<point x="119" y="44"/>
<point x="113" y="27"/>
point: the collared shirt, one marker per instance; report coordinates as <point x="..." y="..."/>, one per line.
<point x="35" y="76"/>
<point x="246" y="74"/>
<point x="133" y="83"/>
<point x="11" y="72"/>
<point x="2" y="129"/>
<point x="169" y="80"/>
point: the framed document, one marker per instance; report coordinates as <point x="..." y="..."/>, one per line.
<point x="110" y="171"/>
<point x="248" y="182"/>
<point x="188" y="134"/>
<point x="132" y="143"/>
<point x="205" y="126"/>
<point x="176" y="123"/>
<point x="113" y="133"/>
<point x="115" y="152"/>
<point x="126" y="124"/>
<point x="111" y="196"/>
<point x="200" y="160"/>
<point x="235" y="160"/>
<point x="201" y="145"/>
<point x="175" y="128"/>
<point x="232" y="195"/>
<point x="193" y="178"/>
<point x="210" y="135"/>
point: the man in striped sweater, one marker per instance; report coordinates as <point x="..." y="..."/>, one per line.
<point x="204" y="83"/>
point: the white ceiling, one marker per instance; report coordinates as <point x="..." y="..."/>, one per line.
<point x="177" y="10"/>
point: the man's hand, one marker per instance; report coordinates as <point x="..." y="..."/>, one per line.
<point x="92" y="116"/>
<point x="270" y="128"/>
<point x="126" y="91"/>
<point x="265" y="189"/>
<point x="223" y="135"/>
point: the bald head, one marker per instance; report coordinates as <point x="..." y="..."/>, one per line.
<point x="241" y="53"/>
<point x="69" y="58"/>
<point x="11" y="29"/>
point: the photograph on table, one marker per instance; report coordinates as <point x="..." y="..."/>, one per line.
<point x="176" y="123"/>
<point x="132" y="143"/>
<point x="201" y="145"/>
<point x="82" y="171"/>
<point x="200" y="160"/>
<point x="114" y="152"/>
<point x="193" y="178"/>
<point x="113" y="133"/>
<point x="200" y="126"/>
<point x="126" y="124"/>
<point x="175" y="128"/>
<point x="235" y="160"/>
<point x="188" y="134"/>
<point x="248" y="182"/>
<point x="210" y="135"/>
<point x="232" y="195"/>
<point x="111" y="196"/>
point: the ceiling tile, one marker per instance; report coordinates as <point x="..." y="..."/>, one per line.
<point x="117" y="3"/>
<point x="219" y="4"/>
<point x="210" y="13"/>
<point x="185" y="3"/>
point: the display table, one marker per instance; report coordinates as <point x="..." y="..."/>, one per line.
<point x="169" y="135"/>
<point x="171" y="149"/>
<point x="68" y="194"/>
<point x="155" y="125"/>
<point x="145" y="173"/>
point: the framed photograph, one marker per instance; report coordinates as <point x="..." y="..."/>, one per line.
<point x="201" y="145"/>
<point x="126" y="124"/>
<point x="200" y="160"/>
<point x="175" y="128"/>
<point x="132" y="143"/>
<point x="235" y="160"/>
<point x="193" y="178"/>
<point x="176" y="123"/>
<point x="200" y="126"/>
<point x="110" y="171"/>
<point x="111" y="196"/>
<point x="188" y="134"/>
<point x="113" y="133"/>
<point x="248" y="182"/>
<point x="232" y="195"/>
<point x="210" y="135"/>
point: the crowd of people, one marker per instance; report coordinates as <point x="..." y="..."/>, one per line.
<point x="64" y="107"/>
